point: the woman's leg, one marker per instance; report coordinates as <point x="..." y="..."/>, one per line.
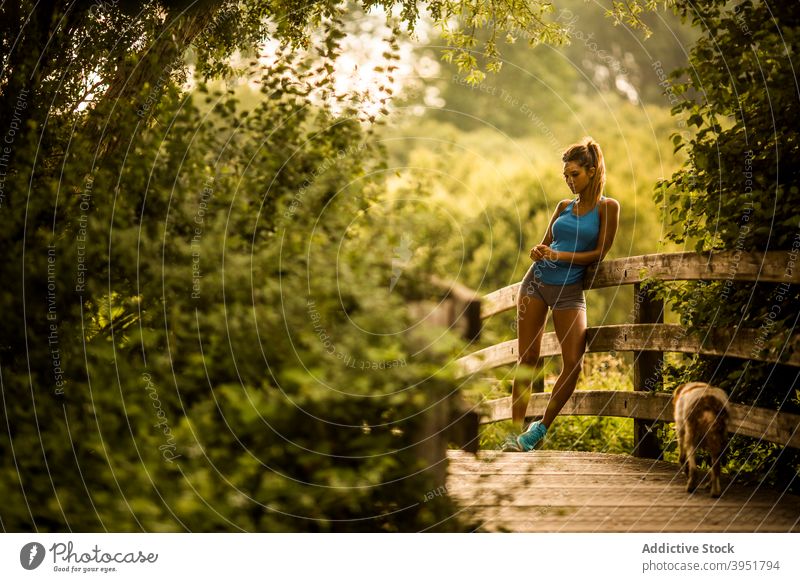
<point x="570" y="327"/>
<point x="531" y="318"/>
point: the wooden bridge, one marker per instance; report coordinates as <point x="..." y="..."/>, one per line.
<point x="568" y="491"/>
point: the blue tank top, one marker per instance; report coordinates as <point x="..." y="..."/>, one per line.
<point x="573" y="234"/>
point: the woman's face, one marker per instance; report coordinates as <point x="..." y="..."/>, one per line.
<point x="577" y="178"/>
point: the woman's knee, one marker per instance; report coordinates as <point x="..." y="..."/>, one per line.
<point x="529" y="358"/>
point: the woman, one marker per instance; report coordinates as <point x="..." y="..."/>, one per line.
<point x="580" y="232"/>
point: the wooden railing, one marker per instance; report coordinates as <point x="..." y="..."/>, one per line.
<point x="648" y="338"/>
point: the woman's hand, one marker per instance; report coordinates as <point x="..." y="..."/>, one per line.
<point x="543" y="252"/>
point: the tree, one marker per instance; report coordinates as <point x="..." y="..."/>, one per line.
<point x="165" y="358"/>
<point x="172" y="358"/>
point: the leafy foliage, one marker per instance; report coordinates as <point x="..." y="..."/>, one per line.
<point x="197" y="331"/>
<point x="738" y="192"/>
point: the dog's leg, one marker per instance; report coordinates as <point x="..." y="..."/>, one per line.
<point x="682" y="450"/>
<point x="692" y="484"/>
<point x="716" y="488"/>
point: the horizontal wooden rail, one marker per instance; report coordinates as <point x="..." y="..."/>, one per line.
<point x="764" y="267"/>
<point x="782" y="428"/>
<point x="658" y="337"/>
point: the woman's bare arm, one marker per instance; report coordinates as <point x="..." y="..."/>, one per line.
<point x="548" y="235"/>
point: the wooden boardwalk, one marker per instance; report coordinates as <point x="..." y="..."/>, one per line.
<point x="563" y="491"/>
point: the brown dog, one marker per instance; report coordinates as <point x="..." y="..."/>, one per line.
<point x="701" y="419"/>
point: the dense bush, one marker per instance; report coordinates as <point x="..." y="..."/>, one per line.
<point x="198" y="327"/>
<point x="738" y="191"/>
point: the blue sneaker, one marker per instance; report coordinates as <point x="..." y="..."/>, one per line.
<point x="528" y="440"/>
<point x="510" y="445"/>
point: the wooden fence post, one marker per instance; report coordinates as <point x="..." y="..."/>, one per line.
<point x="464" y="309"/>
<point x="647" y="373"/>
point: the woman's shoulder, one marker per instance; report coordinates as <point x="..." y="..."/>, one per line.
<point x="563" y="204"/>
<point x="609" y="203"/>
<point x="607" y="207"/>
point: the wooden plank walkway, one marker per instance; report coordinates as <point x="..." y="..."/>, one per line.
<point x="565" y="491"/>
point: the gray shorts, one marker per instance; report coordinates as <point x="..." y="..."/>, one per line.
<point x="554" y="296"/>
